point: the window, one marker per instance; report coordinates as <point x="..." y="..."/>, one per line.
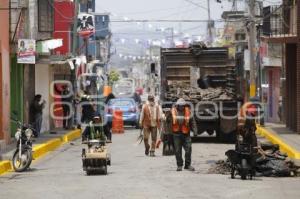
<point x="45" y="15"/>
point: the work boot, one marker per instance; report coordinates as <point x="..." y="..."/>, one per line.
<point x="147" y="151"/>
<point x="179" y="168"/>
<point x="190" y="168"/>
<point x="152" y="154"/>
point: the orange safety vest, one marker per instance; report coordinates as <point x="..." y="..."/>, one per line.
<point x="185" y="127"/>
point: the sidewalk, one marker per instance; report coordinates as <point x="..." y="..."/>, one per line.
<point x="45" y="143"/>
<point x="288" y="140"/>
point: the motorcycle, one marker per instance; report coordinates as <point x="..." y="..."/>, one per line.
<point x="22" y="156"/>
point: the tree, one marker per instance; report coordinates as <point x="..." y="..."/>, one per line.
<point x="113" y="76"/>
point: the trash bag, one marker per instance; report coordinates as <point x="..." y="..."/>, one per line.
<point x="273" y="167"/>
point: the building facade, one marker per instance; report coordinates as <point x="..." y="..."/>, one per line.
<point x="289" y="37"/>
<point x="4" y="74"/>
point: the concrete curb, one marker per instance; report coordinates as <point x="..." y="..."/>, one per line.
<point x="40" y="150"/>
<point x="284" y="147"/>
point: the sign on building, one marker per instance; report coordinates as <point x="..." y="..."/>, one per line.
<point x="85" y="25"/>
<point x="26" y="51"/>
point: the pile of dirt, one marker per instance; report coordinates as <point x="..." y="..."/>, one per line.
<point x="220" y="167"/>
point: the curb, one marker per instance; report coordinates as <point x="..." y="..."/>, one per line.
<point x="40" y="150"/>
<point x="284" y="147"/>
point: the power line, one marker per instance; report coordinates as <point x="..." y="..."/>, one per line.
<point x="164" y="20"/>
<point x="196" y="4"/>
<point x="152" y="11"/>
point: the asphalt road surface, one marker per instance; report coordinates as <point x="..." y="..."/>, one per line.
<point x="59" y="175"/>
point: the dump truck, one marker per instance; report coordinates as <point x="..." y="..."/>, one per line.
<point x="206" y="79"/>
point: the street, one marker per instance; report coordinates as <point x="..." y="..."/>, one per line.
<point x="133" y="175"/>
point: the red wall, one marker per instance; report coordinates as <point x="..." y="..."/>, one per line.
<point x="4" y="73"/>
<point x="63" y="19"/>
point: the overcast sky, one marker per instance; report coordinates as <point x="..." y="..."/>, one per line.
<point x="161" y="9"/>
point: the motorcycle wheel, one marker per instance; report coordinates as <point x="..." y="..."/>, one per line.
<point x="244" y="169"/>
<point x="20" y="164"/>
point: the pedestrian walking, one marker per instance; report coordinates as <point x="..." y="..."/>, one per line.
<point x="150" y="122"/>
<point x="66" y="99"/>
<point x="182" y="123"/>
<point x="37" y="107"/>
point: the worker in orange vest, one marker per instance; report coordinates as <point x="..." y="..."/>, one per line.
<point x="182" y="123"/>
<point x="151" y="115"/>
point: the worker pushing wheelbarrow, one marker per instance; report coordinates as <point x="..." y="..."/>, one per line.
<point x="95" y="157"/>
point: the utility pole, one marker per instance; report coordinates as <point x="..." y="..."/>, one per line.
<point x="252" y="48"/>
<point x="209" y="24"/>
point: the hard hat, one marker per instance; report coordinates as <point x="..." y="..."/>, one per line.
<point x="180" y="102"/>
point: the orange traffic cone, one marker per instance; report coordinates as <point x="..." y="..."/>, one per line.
<point x="117" y="122"/>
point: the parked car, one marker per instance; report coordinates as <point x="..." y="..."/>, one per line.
<point x="129" y="108"/>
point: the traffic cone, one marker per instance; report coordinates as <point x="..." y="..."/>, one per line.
<point x="117" y="122"/>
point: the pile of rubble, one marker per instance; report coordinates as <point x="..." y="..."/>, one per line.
<point x="181" y="90"/>
<point x="220" y="167"/>
<point x="270" y="163"/>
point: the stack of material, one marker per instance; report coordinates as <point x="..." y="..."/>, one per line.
<point x="270" y="163"/>
<point x="181" y="90"/>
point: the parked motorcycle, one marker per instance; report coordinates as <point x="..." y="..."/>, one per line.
<point x="22" y="157"/>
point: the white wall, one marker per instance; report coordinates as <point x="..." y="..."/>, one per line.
<point x="42" y="86"/>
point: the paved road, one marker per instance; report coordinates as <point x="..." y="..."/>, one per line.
<point x="132" y="175"/>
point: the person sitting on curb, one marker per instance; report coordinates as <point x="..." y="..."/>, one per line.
<point x="182" y="123"/>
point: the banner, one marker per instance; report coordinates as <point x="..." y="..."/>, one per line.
<point x="26" y="51"/>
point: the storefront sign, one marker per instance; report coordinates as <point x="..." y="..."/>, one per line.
<point x="26" y="51"/>
<point x="86" y="25"/>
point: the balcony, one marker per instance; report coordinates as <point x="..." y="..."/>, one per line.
<point x="280" y="23"/>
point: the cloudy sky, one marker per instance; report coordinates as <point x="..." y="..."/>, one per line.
<point x="128" y="33"/>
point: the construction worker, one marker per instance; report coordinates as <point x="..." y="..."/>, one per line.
<point x="94" y="130"/>
<point x="246" y="123"/>
<point x="182" y="123"/>
<point x="150" y="122"/>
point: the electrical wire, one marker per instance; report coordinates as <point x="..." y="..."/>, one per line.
<point x="152" y="11"/>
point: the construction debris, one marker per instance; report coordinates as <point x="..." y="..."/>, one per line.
<point x="220" y="167"/>
<point x="181" y="90"/>
<point x="270" y="163"/>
